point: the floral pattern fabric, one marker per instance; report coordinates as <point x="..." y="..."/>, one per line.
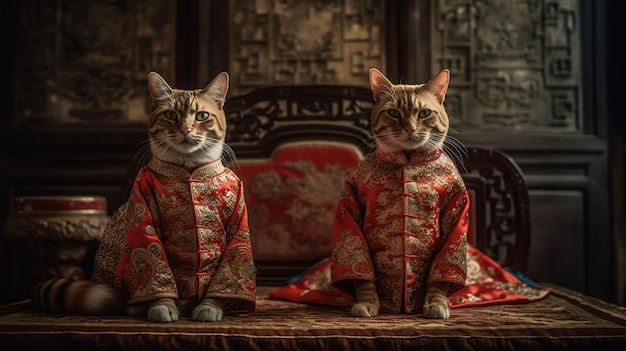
<point x="181" y="235"/>
<point x="487" y="283"/>
<point x="292" y="196"/>
<point x="402" y="222"/>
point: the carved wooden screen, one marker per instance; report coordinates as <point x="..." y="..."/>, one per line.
<point x="304" y="42"/>
<point x="87" y="61"/>
<point x="515" y="65"/>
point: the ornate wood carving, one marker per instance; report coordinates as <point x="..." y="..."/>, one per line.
<point x="87" y="61"/>
<point x="251" y="117"/>
<point x="516" y="65"/>
<point x="505" y="220"/>
<point x="304" y="42"/>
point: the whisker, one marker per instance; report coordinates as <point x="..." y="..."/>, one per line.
<point x="141" y="154"/>
<point x="371" y="145"/>
<point x="163" y="147"/>
<point x="457" y="152"/>
<point x="450" y="129"/>
<point x="457" y="144"/>
<point x="229" y="158"/>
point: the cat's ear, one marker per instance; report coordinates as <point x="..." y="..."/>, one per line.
<point x="439" y="85"/>
<point x="158" y="87"/>
<point x="217" y="89"/>
<point x="379" y="84"/>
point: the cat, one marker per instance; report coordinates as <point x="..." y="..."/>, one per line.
<point x="399" y="238"/>
<point x="181" y="242"/>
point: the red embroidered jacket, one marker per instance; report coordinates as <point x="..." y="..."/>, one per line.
<point x="181" y="234"/>
<point x="402" y="223"/>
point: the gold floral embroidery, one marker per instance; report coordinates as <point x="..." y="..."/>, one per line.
<point x="400" y="204"/>
<point x="268" y="186"/>
<point x="191" y="215"/>
<point x="143" y="258"/>
<point x="309" y="208"/>
<point x="349" y="252"/>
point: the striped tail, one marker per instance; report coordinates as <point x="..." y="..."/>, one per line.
<point x="81" y="297"/>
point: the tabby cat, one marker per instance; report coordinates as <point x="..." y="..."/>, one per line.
<point x="181" y="241"/>
<point x="399" y="241"/>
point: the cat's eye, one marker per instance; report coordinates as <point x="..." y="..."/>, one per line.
<point x="393" y="113"/>
<point x="170" y="115"/>
<point x="202" y="116"/>
<point x="423" y="113"/>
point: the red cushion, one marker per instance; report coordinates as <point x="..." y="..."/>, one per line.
<point x="292" y="197"/>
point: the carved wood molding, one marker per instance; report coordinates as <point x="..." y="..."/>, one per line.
<point x="87" y="61"/>
<point x="516" y="65"/>
<point x="504" y="198"/>
<point x="252" y="117"/>
<point x="304" y="42"/>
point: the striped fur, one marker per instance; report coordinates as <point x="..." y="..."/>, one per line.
<point x="409" y="117"/>
<point x="209" y="310"/>
<point x="163" y="310"/>
<point x="187" y="127"/>
<point x="436" y="301"/>
<point x="367" y="302"/>
<point x="81" y="297"/>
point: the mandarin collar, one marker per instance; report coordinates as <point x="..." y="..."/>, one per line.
<point x="403" y="158"/>
<point x="169" y="169"/>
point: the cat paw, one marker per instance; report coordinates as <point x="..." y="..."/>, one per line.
<point x="436" y="310"/>
<point x="207" y="312"/>
<point x="162" y="314"/>
<point x="364" y="309"/>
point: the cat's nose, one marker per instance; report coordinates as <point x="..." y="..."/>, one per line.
<point x="184" y="132"/>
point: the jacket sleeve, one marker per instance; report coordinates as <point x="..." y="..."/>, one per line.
<point x="234" y="282"/>
<point x="131" y="254"/>
<point x="350" y="258"/>
<point x="450" y="264"/>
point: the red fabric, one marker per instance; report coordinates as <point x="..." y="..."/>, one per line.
<point x="295" y="191"/>
<point x="408" y="212"/>
<point x="314" y="287"/>
<point x="401" y="221"/>
<point x="180" y="235"/>
<point x="488" y="283"/>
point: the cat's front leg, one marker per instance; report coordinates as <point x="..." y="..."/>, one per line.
<point x="436" y="301"/>
<point x="163" y="310"/>
<point x="209" y="310"/>
<point x="367" y="302"/>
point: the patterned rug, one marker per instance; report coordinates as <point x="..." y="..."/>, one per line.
<point x="563" y="320"/>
